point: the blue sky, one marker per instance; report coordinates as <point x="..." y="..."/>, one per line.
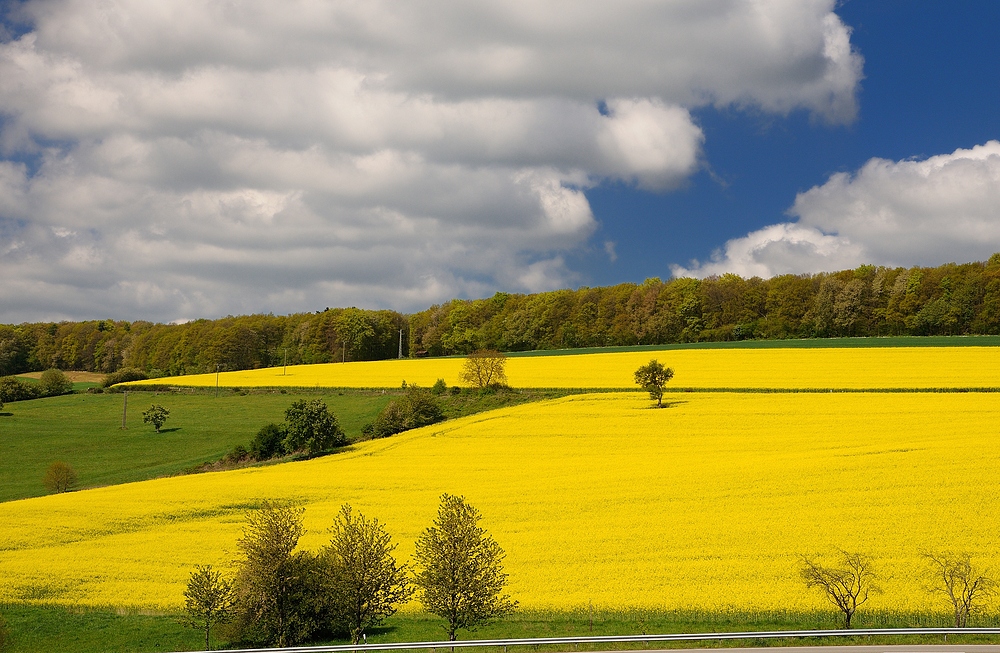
<point x="201" y="158"/>
<point x="931" y="85"/>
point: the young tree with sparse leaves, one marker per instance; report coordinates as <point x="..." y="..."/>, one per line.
<point x="156" y="415"/>
<point x="460" y="569"/>
<point x="652" y="377"/>
<point x="363" y="584"/>
<point x="209" y="599"/>
<point x="484" y="368"/>
<point x="59" y="477"/>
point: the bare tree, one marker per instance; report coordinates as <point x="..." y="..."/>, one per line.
<point x="59" y="477"/>
<point x="484" y="368"/>
<point x="965" y="585"/>
<point x="847" y="587"/>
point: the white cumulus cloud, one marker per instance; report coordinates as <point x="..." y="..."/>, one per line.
<point x="197" y="158"/>
<point x="941" y="209"/>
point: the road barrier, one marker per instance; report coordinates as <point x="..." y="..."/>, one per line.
<point x="616" y="639"/>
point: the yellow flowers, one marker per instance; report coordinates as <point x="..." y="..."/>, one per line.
<point x="705" y="504"/>
<point x="896" y="367"/>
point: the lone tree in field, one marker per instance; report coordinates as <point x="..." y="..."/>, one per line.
<point x="847" y="587"/>
<point x="59" y="477"/>
<point x="363" y="582"/>
<point x="54" y="382"/>
<point x="310" y="426"/>
<point x="208" y="600"/>
<point x="652" y="377"/>
<point x="965" y="585"/>
<point x="460" y="569"/>
<point x="484" y="368"/>
<point x="276" y="586"/>
<point x="156" y="415"/>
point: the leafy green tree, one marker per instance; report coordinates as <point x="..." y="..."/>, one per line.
<point x="54" y="383"/>
<point x="363" y="582"/>
<point x="652" y="377"/>
<point x="460" y="569"/>
<point x="418" y="407"/>
<point x="484" y="368"/>
<point x="59" y="477"/>
<point x="269" y="442"/>
<point x="156" y="415"/>
<point x="276" y="589"/>
<point x="209" y="599"/>
<point x="310" y="426"/>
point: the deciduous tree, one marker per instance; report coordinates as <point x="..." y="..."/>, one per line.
<point x="964" y="584"/>
<point x="847" y="587"/>
<point x="156" y="415"/>
<point x="652" y="377"/>
<point x="363" y="582"/>
<point x="310" y="426"/>
<point x="484" y="368"/>
<point x="59" y="477"/>
<point x="460" y="569"/>
<point x="209" y="599"/>
<point x="276" y="586"/>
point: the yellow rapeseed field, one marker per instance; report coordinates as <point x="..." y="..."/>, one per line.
<point x="890" y="367"/>
<point x="705" y="504"/>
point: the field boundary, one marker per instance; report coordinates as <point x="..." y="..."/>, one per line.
<point x="621" y="639"/>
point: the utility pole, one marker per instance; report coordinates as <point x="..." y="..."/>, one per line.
<point x="216" y="380"/>
<point x="125" y="411"/>
<point x="400" y="343"/>
<point x="284" y="369"/>
<point x="344" y="354"/>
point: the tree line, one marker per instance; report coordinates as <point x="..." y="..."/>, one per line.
<point x="949" y="299"/>
<point x="281" y="595"/>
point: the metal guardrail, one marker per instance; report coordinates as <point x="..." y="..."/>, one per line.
<point x="616" y="639"/>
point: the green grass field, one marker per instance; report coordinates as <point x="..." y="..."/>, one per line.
<point x="84" y="430"/>
<point x="38" y="629"/>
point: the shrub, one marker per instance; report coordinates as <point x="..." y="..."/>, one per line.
<point x="310" y="426"/>
<point x="269" y="442"/>
<point x="418" y="407"/>
<point x="439" y="387"/>
<point x="14" y="389"/>
<point x="59" y="477"/>
<point x="54" y="383"/>
<point x="124" y="375"/>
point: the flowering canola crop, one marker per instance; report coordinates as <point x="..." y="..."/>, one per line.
<point x="705" y="504"/>
<point x="890" y="367"/>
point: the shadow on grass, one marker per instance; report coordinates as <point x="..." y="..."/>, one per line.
<point x="6" y="414"/>
<point x="177" y="428"/>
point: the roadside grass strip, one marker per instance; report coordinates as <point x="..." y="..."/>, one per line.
<point x="890" y="367"/>
<point x="597" y="499"/>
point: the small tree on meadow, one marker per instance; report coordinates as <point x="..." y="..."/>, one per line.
<point x="847" y="587"/>
<point x="965" y="585"/>
<point x="59" y="477"/>
<point x="363" y="582"/>
<point x="652" y="377"/>
<point x="209" y="599"/>
<point x="484" y="368"/>
<point x="54" y="382"/>
<point x="460" y="569"/>
<point x="156" y="415"/>
<point x="310" y="426"/>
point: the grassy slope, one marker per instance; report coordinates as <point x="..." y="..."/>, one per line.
<point x="84" y="431"/>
